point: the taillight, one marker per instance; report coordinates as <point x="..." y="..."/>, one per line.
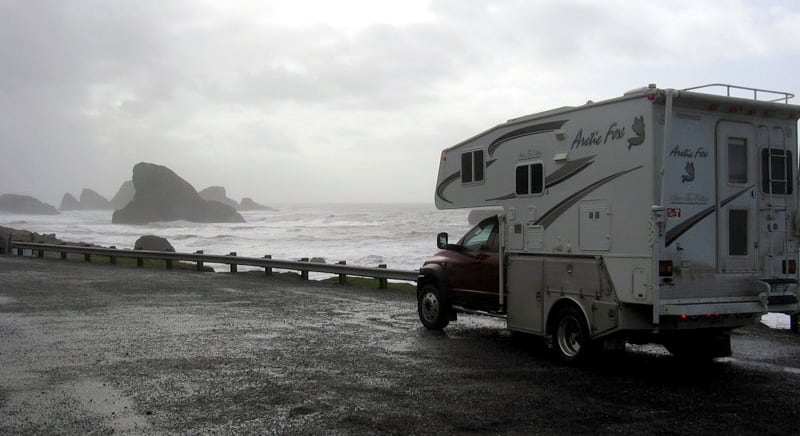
<point x="665" y="268"/>
<point x="789" y="266"/>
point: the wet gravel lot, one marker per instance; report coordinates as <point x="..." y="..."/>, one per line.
<point x="99" y="349"/>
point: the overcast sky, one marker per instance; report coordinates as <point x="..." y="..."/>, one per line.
<point x="337" y="101"/>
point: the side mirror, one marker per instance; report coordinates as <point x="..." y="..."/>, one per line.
<point x="441" y="241"/>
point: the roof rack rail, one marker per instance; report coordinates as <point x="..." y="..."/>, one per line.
<point x="784" y="96"/>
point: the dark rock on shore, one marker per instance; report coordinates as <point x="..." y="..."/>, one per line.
<point x="249" y="204"/>
<point x="162" y="195"/>
<point x="123" y="196"/>
<point x="153" y="243"/>
<point x="25" y="204"/>
<point x="217" y="193"/>
<point x="7" y="233"/>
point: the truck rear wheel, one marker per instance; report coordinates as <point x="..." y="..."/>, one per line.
<point x="570" y="335"/>
<point x="432" y="308"/>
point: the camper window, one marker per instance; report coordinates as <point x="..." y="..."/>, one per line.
<point x="530" y="179"/>
<point x="737" y="160"/>
<point x="776" y="167"/>
<point x="472" y="166"/>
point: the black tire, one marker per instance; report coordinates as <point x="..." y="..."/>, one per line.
<point x="432" y="308"/>
<point x="569" y="335"/>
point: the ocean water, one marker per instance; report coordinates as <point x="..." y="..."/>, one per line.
<point x="401" y="236"/>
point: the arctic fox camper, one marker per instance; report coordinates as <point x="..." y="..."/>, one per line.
<point x="665" y="216"/>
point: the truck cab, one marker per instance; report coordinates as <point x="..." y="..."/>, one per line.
<point x="468" y="269"/>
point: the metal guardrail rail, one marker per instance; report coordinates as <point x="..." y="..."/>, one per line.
<point x="303" y="266"/>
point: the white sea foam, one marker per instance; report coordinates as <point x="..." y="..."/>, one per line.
<point x="399" y="235"/>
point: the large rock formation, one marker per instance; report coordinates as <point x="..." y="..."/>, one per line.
<point x="24" y="204"/>
<point x="123" y="196"/>
<point x="91" y="200"/>
<point x="69" y="202"/>
<point x="249" y="204"/>
<point x="161" y="195"/>
<point x="217" y="193"/>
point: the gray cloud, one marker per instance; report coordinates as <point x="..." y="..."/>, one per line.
<point x="226" y="94"/>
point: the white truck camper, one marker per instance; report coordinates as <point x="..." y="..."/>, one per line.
<point x="662" y="216"/>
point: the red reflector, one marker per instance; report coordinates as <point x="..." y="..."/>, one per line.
<point x="651" y="97"/>
<point x="684" y="316"/>
<point x="665" y="268"/>
<point x="789" y="266"/>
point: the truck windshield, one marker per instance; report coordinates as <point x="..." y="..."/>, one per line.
<point x="482" y="237"/>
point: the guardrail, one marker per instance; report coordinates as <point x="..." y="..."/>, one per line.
<point x="304" y="266"/>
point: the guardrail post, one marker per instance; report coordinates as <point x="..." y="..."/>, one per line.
<point x="168" y="263"/>
<point x="199" y="262"/>
<point x="342" y="277"/>
<point x="40" y="252"/>
<point x="268" y="269"/>
<point x="87" y="257"/>
<point x="234" y="267"/>
<point x="139" y="262"/>
<point x="20" y="252"/>
<point x="794" y="322"/>
<point x="304" y="273"/>
<point x="383" y="283"/>
<point x="63" y="253"/>
<point x="3" y="245"/>
<point x="112" y="259"/>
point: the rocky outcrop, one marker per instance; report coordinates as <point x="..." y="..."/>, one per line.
<point x="217" y="193"/>
<point x="24" y="204"/>
<point x="161" y="195"/>
<point x="7" y="233"/>
<point x="153" y="243"/>
<point x="123" y="196"/>
<point x="249" y="204"/>
<point x="91" y="200"/>
<point x="69" y="202"/>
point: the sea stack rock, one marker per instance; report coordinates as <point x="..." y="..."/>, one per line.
<point x="153" y="243"/>
<point x="25" y="204"/>
<point x="124" y="195"/>
<point x="161" y="195"/>
<point x="69" y="202"/>
<point x="249" y="204"/>
<point x="91" y="200"/>
<point x="217" y="193"/>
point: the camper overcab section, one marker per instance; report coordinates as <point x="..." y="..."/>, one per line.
<point x="660" y="216"/>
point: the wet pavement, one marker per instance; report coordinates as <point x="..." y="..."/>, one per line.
<point x="104" y="349"/>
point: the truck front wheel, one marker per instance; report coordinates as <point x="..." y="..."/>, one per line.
<point x="432" y="308"/>
<point x="569" y="335"/>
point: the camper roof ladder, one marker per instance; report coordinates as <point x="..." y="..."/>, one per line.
<point x="766" y="95"/>
<point x="773" y="209"/>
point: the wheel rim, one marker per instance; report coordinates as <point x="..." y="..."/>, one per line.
<point x="570" y="336"/>
<point x="430" y="307"/>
